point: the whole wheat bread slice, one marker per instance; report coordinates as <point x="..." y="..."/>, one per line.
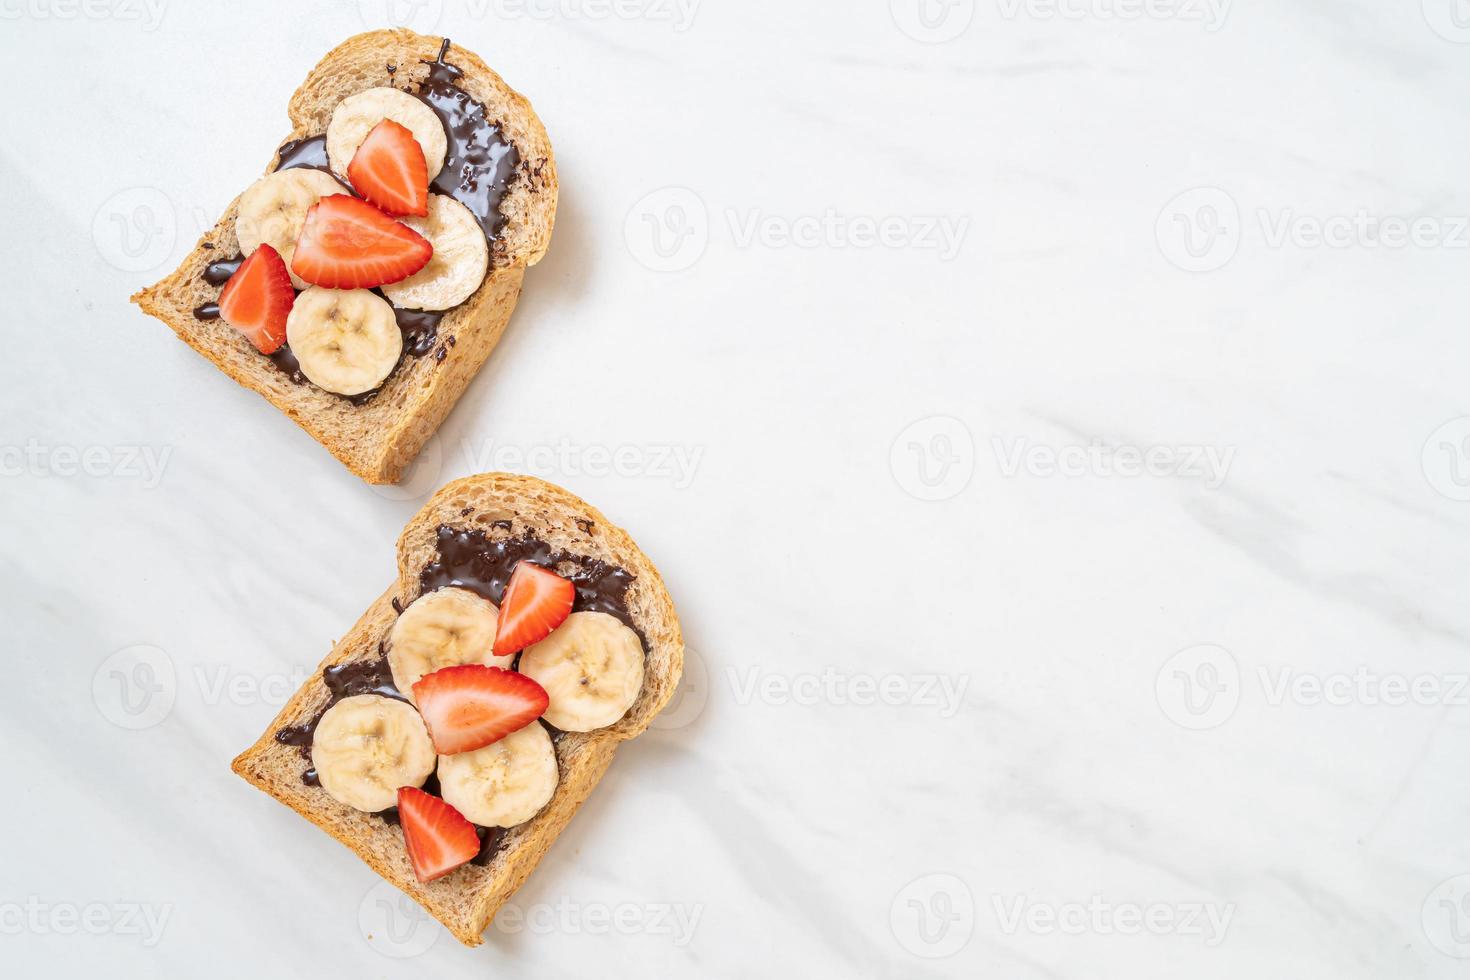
<point x="379" y="439"/>
<point x="468" y="898"/>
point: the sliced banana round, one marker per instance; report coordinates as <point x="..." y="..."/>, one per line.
<point x="367" y="746"/>
<point x="444" y="628"/>
<point x="592" y="669"/>
<point x="505" y="783"/>
<point x="273" y="209"/>
<point x="356" y="115"/>
<point x="347" y="340"/>
<point x="457" y="267"/>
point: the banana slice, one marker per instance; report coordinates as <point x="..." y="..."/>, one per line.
<point x="273" y="209"/>
<point x="506" y="782"/>
<point x="367" y="746"/>
<point x="347" y="340"/>
<point x="457" y="267"/>
<point x="356" y="115"/>
<point x="444" y="628"/>
<point x="592" y="668"/>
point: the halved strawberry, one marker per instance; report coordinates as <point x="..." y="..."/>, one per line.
<point x="535" y="602"/>
<point x="389" y="170"/>
<point x="349" y="244"/>
<point x="257" y="299"/>
<point x="438" y="837"/>
<point x="470" y="706"/>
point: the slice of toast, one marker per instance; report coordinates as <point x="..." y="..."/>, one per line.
<point x="377" y="440"/>
<point x="502" y="506"/>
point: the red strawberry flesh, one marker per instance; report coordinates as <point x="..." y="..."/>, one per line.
<point x="257" y="299"/>
<point x="349" y="244"/>
<point x="471" y="706"/>
<point x="536" y="602"/>
<point x="389" y="170"/>
<point x="438" y="837"/>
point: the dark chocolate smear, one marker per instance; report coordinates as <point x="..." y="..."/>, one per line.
<point x="470" y="559"/>
<point x="218" y="272"/>
<point x="309" y="152"/>
<point x="479" y="164"/>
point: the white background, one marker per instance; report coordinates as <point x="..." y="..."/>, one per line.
<point x="906" y="470"/>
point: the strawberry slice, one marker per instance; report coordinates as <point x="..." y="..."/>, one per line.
<point x="389" y="170"/>
<point x="349" y="244"/>
<point x="257" y="299"/>
<point x="470" y="706"/>
<point x="438" y="837"/>
<point x="535" y="603"/>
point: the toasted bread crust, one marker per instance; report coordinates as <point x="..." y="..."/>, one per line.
<point x="378" y="440"/>
<point x="467" y="899"/>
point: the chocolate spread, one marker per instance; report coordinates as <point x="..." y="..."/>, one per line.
<point x="309" y="152"/>
<point x="478" y="165"/>
<point x="478" y="168"/>
<point x="470" y="559"/>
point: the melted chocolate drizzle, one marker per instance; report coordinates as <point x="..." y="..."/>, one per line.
<point x="309" y="152"/>
<point x="469" y="558"/>
<point x="478" y="164"/>
<point x="478" y="168"/>
<point x="420" y="328"/>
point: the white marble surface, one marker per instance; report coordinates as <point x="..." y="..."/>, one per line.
<point x="1095" y="747"/>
